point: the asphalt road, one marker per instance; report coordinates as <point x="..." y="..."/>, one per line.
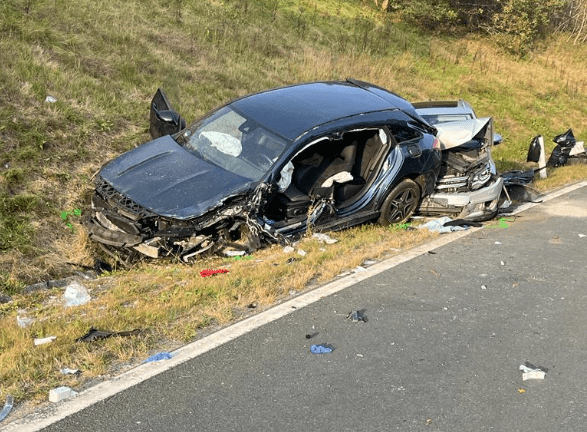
<point x="441" y="350"/>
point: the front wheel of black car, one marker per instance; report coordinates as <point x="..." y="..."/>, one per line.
<point x="400" y="203"/>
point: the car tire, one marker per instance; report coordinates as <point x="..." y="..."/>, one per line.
<point x="400" y="203"/>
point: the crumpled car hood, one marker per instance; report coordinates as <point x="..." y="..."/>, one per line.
<point x="455" y="134"/>
<point x="167" y="179"/>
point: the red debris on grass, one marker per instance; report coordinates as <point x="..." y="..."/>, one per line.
<point x="210" y="272"/>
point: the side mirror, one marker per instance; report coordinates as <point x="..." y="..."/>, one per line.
<point x="164" y="120"/>
<point x="497" y="139"/>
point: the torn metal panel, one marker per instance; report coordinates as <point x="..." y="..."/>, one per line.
<point x="458" y="133"/>
<point x="468" y="186"/>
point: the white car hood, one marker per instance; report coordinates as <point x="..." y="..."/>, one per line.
<point x="454" y="134"/>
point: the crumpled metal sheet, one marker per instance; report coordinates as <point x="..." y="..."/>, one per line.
<point x="454" y="134"/>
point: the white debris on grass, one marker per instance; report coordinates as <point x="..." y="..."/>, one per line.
<point x="24" y="322"/>
<point x="233" y="253"/>
<point x="45" y="340"/>
<point x="324" y="238"/>
<point x="75" y="295"/>
<point x="61" y="393"/>
<point x="288" y="249"/>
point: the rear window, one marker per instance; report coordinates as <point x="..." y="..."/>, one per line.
<point x="445" y="118"/>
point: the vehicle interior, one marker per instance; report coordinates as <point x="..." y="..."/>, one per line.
<point x="339" y="168"/>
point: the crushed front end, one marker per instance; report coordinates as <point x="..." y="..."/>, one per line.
<point x="128" y="231"/>
<point x="468" y="186"/>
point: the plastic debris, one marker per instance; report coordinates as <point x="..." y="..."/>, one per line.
<point x="534" y="150"/>
<point x="68" y="371"/>
<point x="158" y="357"/>
<point x="502" y="223"/>
<point x="324" y="238"/>
<point x="582" y="235"/>
<point x="438" y="225"/>
<point x="462" y="222"/>
<point x="483" y="287"/>
<point x="515" y="177"/>
<point x="359" y="269"/>
<point x="75" y="295"/>
<point x="532" y="372"/>
<point x="45" y="340"/>
<point x="7" y="407"/>
<point x="234" y="253"/>
<point x="357" y="316"/>
<point x="24" y="322"/>
<point x="560" y="154"/>
<point x="288" y="249"/>
<point x="210" y="272"/>
<point x="321" y="349"/>
<point x="61" y="393"/>
<point x="50" y="99"/>
<point x="95" y="334"/>
<point x="301" y="252"/>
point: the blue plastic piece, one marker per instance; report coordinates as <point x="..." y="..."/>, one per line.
<point x="321" y="349"/>
<point x="158" y="356"/>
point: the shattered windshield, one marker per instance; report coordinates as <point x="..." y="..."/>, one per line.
<point x="235" y="143"/>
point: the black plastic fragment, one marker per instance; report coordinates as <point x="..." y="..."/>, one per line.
<point x="534" y="150"/>
<point x="462" y="222"/>
<point x="560" y="154"/>
<point x="518" y="177"/>
<point x="95" y="334"/>
<point x="357" y="316"/>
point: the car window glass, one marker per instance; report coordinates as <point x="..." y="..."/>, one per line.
<point x="402" y="132"/>
<point x="235" y="143"/>
<point x="444" y="118"/>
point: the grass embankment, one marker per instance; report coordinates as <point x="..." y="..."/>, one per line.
<point x="103" y="61"/>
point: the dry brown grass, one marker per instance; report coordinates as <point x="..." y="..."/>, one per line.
<point x="172" y="303"/>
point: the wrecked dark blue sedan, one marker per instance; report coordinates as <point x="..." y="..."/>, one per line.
<point x="263" y="168"/>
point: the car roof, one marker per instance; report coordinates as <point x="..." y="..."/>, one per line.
<point x="293" y="110"/>
<point x="444" y="107"/>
